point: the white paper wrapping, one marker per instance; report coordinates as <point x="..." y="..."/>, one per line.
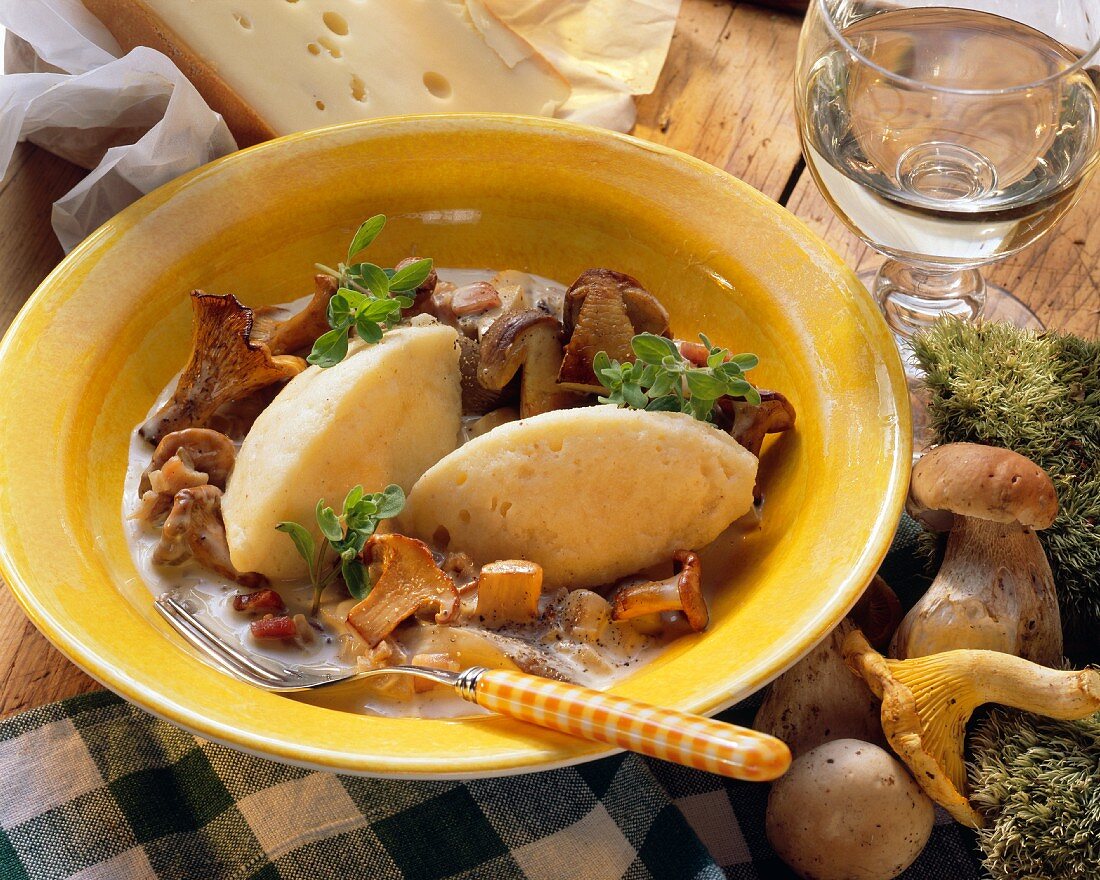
<point x="137" y="122"/>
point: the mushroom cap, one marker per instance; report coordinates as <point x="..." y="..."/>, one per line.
<point x="984" y="482"/>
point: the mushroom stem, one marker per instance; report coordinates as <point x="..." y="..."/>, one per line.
<point x="681" y="592"/>
<point x="927" y="702"/>
<point x="994" y="591"/>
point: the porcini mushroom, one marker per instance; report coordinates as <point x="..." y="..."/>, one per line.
<point x="508" y="591"/>
<point x="682" y="592"/>
<point x="476" y="398"/>
<point x="927" y="702"/>
<point x="603" y="311"/>
<point x="818" y="700"/>
<point x="284" y="334"/>
<point x="194" y="529"/>
<point x="994" y="589"/>
<point x="848" y="810"/>
<point x="405" y="581"/>
<point x="531" y="340"/>
<point x="225" y="365"/>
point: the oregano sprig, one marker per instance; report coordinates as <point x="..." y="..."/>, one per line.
<point x="369" y="299"/>
<point x="345" y="534"/>
<point x="663" y="380"/>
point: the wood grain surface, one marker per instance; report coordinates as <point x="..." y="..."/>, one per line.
<point x="725" y="96"/>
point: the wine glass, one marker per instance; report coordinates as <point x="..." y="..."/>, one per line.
<point x="948" y="134"/>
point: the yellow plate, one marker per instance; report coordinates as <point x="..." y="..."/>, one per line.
<point x="106" y="331"/>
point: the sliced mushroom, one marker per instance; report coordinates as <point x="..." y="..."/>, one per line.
<point x="225" y="365"/>
<point x="681" y="592"/>
<point x="476" y="398"/>
<point x="406" y="581"/>
<point x="531" y="340"/>
<point x="508" y="591"/>
<point x="604" y="310"/>
<point x="194" y="528"/>
<point x="299" y="331"/>
<point x="927" y="702"/>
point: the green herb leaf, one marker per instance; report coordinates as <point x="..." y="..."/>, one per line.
<point x="366" y="234"/>
<point x="663" y="380"/>
<point x="340" y="310"/>
<point x="706" y="385"/>
<point x="330" y="348"/>
<point x="354" y="496"/>
<point x="371" y="277"/>
<point x="391" y="502"/>
<point x="653" y="349"/>
<point x="368" y="330"/>
<point x="328" y="521"/>
<point x="355" y="577"/>
<point x="303" y="540"/>
<point x="411" y="276"/>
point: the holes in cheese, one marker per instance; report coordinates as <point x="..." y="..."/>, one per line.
<point x="358" y="88"/>
<point x="336" y="23"/>
<point x="437" y="84"/>
<point x="426" y="56"/>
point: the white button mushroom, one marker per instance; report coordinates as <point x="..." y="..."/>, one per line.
<point x="848" y="810"/>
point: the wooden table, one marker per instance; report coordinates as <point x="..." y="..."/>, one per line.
<point x="725" y="96"/>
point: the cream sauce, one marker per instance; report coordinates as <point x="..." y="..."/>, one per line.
<point x="598" y="666"/>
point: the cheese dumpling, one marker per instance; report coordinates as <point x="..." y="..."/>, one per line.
<point x="590" y="494"/>
<point x="384" y="414"/>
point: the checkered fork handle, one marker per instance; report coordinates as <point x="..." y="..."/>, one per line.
<point x="691" y="740"/>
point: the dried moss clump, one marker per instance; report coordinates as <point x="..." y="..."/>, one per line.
<point x="1040" y="396"/>
<point x="1036" y="782"/>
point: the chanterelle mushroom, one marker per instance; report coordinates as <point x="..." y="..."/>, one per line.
<point x="530" y="339"/>
<point x="681" y="592"/>
<point x="927" y="702"/>
<point x="604" y="310"/>
<point x="406" y="580"/>
<point x="209" y="452"/>
<point x="750" y="422"/>
<point x="194" y="529"/>
<point x="285" y="335"/>
<point x="225" y="365"/>
<point x="994" y="589"/>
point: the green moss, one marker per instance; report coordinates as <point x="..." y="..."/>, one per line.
<point x="1036" y="782"/>
<point x="1039" y="395"/>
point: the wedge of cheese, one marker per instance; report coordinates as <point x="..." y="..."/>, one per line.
<point x="272" y="67"/>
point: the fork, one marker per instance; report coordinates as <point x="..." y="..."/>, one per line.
<point x="691" y="740"/>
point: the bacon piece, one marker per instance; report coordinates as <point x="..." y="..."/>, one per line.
<point x="271" y="627"/>
<point x="261" y="600"/>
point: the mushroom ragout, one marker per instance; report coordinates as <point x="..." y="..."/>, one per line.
<point x="367" y="476"/>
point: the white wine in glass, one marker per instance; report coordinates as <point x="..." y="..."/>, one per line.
<point x="947" y="135"/>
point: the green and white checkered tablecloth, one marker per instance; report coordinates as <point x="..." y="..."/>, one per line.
<point x="93" y="788"/>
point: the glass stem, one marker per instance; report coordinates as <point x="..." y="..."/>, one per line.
<point x="913" y="297"/>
